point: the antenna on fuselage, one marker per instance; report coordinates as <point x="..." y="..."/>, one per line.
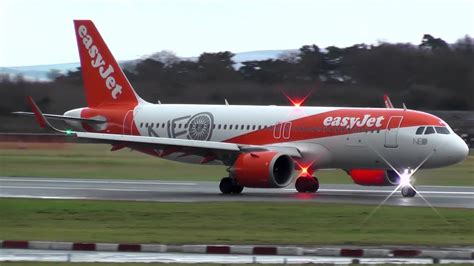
<point x="159" y="102"/>
<point x="404" y="107"/>
<point x="226" y="102"/>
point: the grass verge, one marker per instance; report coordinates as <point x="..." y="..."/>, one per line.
<point x="96" y="161"/>
<point x="239" y="223"/>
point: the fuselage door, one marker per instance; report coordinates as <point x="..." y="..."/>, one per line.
<point x="282" y="130"/>
<point x="391" y="131"/>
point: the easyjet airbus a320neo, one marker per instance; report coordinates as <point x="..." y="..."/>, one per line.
<point x="263" y="146"/>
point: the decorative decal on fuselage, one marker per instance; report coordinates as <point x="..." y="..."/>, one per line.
<point x="151" y="132"/>
<point x="172" y="126"/>
<point x="200" y="126"/>
<point x="196" y="127"/>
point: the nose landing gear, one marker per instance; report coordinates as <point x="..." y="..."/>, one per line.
<point x="408" y="192"/>
<point x="307" y="184"/>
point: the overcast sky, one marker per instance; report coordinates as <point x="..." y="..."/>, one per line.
<point x="34" y="32"/>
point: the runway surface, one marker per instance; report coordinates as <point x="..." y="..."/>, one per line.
<point x="183" y="258"/>
<point x="174" y="191"/>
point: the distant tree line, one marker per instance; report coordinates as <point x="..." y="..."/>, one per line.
<point x="433" y="75"/>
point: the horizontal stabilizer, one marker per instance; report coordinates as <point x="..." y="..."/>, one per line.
<point x="63" y="117"/>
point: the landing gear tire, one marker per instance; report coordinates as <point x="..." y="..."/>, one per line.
<point x="408" y="192"/>
<point x="237" y="189"/>
<point x="226" y="185"/>
<point x="230" y="186"/>
<point x="307" y="184"/>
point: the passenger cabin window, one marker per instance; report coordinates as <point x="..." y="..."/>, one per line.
<point x="442" y="130"/>
<point x="419" y="131"/>
<point x="429" y="130"/>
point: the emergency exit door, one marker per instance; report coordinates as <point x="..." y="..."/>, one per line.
<point x="391" y="132"/>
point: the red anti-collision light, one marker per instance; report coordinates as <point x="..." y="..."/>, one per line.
<point x="297" y="102"/>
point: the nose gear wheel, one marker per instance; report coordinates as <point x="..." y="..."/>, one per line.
<point x="307" y="184"/>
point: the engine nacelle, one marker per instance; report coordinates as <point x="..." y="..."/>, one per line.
<point x="374" y="177"/>
<point x="263" y="169"/>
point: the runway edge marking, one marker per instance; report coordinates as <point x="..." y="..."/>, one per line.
<point x="455" y="254"/>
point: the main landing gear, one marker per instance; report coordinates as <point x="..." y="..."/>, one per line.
<point x="307" y="184"/>
<point x="230" y="186"/>
<point x="408" y="192"/>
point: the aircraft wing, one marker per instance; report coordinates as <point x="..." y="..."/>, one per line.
<point x="210" y="150"/>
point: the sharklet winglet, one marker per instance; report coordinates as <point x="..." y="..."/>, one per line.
<point x="42" y="121"/>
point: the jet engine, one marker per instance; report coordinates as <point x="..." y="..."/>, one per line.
<point x="374" y="177"/>
<point x="266" y="169"/>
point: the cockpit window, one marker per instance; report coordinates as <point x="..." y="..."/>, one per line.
<point x="442" y="130"/>
<point x="429" y="130"/>
<point x="419" y="131"/>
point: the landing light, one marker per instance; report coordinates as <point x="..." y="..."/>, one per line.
<point x="405" y="178"/>
<point x="306" y="169"/>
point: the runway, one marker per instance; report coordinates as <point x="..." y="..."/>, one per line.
<point x="176" y="191"/>
<point x="184" y="258"/>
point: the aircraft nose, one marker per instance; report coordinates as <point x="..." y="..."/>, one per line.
<point x="458" y="151"/>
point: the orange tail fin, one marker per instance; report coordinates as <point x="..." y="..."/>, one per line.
<point x="104" y="81"/>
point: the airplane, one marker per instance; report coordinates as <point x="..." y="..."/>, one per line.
<point x="262" y="146"/>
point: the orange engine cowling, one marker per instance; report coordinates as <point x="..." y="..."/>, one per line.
<point x="263" y="169"/>
<point x="374" y="177"/>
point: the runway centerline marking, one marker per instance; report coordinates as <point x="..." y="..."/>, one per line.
<point x="98" y="182"/>
<point x="80" y="188"/>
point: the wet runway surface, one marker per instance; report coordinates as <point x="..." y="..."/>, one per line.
<point x="174" y="191"/>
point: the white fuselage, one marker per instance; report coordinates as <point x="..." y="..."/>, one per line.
<point x="319" y="141"/>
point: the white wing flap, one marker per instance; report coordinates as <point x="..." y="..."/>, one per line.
<point x="111" y="138"/>
<point x="222" y="147"/>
